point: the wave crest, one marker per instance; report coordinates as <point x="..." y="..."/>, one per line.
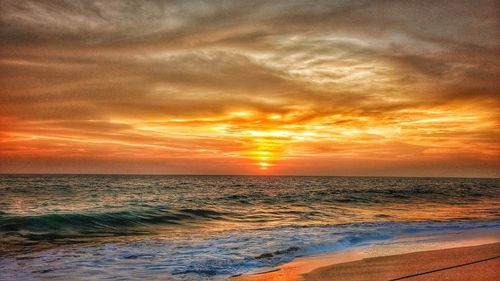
<point x="124" y="222"/>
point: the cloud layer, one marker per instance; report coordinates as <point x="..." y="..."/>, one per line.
<point x="243" y="87"/>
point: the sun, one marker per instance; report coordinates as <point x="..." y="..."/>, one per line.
<point x="264" y="165"/>
<point x="265" y="146"/>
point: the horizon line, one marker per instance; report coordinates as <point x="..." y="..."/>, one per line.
<point x="241" y="175"/>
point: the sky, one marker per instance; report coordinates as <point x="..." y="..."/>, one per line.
<point x="377" y="88"/>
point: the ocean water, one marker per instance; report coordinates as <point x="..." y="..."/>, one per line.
<point x="110" y="227"/>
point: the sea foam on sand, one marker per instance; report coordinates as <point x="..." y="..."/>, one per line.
<point x="471" y="255"/>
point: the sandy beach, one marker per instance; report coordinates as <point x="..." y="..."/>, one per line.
<point x="480" y="262"/>
<point x="465" y="263"/>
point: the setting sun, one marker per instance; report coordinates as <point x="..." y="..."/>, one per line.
<point x="263" y="165"/>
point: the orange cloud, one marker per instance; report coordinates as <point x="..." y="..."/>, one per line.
<point x="312" y="89"/>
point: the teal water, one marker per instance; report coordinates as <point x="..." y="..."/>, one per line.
<point x="210" y="227"/>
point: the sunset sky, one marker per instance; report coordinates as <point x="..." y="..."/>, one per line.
<point x="403" y="88"/>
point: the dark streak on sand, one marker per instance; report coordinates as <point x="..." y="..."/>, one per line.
<point x="442" y="269"/>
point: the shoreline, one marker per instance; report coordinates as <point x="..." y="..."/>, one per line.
<point x="393" y="259"/>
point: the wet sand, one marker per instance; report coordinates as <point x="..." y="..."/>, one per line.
<point x="465" y="263"/>
<point x="471" y="262"/>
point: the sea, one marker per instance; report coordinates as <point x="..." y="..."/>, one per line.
<point x="138" y="227"/>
